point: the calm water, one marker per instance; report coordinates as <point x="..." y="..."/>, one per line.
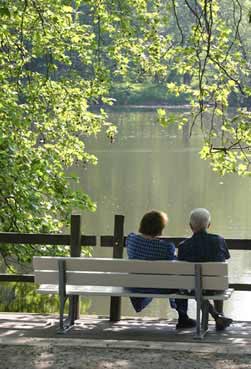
<point x="151" y="167"/>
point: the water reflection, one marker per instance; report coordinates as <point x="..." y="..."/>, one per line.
<point x="22" y="297"/>
<point x="152" y="167"/>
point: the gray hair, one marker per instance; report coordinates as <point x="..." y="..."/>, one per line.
<point x="200" y="219"/>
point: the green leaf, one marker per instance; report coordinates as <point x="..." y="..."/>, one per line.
<point x="4" y="11"/>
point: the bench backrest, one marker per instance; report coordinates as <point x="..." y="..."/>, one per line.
<point x="130" y="273"/>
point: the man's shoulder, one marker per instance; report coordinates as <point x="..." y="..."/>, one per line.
<point x="216" y="237"/>
<point x="211" y="237"/>
<point x="205" y="234"/>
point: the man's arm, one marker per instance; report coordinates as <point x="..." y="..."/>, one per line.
<point x="223" y="252"/>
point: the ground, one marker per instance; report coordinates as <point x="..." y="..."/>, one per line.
<point x="30" y="341"/>
<point x="78" y="357"/>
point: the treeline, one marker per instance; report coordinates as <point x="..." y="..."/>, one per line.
<point x="143" y="75"/>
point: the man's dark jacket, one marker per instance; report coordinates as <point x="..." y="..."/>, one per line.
<point x="203" y="247"/>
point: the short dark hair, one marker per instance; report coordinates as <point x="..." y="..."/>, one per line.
<point x="153" y="223"/>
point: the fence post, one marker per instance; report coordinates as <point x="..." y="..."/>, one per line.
<point x="118" y="246"/>
<point x="75" y="247"/>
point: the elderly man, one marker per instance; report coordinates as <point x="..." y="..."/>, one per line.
<point x="204" y="247"/>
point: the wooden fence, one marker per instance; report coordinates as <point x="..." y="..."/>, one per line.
<point x="76" y="241"/>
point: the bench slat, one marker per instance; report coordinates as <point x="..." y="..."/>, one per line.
<point x="120" y="291"/>
<point x="129" y="266"/>
<point x="131" y="280"/>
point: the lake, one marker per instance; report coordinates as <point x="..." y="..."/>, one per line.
<point x="150" y="167"/>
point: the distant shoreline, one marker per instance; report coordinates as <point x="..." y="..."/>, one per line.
<point x="157" y="106"/>
<point x="148" y="106"/>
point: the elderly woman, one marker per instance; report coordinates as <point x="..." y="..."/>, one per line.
<point x="146" y="245"/>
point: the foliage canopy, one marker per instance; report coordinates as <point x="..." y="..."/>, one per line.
<point x="58" y="61"/>
<point x="214" y="57"/>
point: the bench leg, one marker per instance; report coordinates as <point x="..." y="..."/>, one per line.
<point x="115" y="309"/>
<point x="64" y="324"/>
<point x="198" y="321"/>
<point x="201" y="326"/>
<point x="202" y="322"/>
<point x="61" y="313"/>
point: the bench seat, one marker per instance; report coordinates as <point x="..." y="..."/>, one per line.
<point x="125" y="292"/>
<point x="69" y="276"/>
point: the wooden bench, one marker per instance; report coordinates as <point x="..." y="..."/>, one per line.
<point x="69" y="276"/>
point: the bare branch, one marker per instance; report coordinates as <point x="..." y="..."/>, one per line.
<point x="177" y="22"/>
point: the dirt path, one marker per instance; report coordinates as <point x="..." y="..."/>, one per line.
<point x="79" y="357"/>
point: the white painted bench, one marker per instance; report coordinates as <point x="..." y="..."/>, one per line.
<point x="69" y="276"/>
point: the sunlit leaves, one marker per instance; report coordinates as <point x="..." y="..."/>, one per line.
<point x="47" y="85"/>
<point x="165" y="119"/>
<point x="229" y="148"/>
<point x="59" y="60"/>
<point x="217" y="63"/>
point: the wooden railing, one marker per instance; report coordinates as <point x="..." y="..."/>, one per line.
<point x="76" y="241"/>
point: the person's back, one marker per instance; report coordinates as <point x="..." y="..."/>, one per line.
<point x="204" y="247"/>
<point x="147" y="246"/>
<point x="144" y="248"/>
